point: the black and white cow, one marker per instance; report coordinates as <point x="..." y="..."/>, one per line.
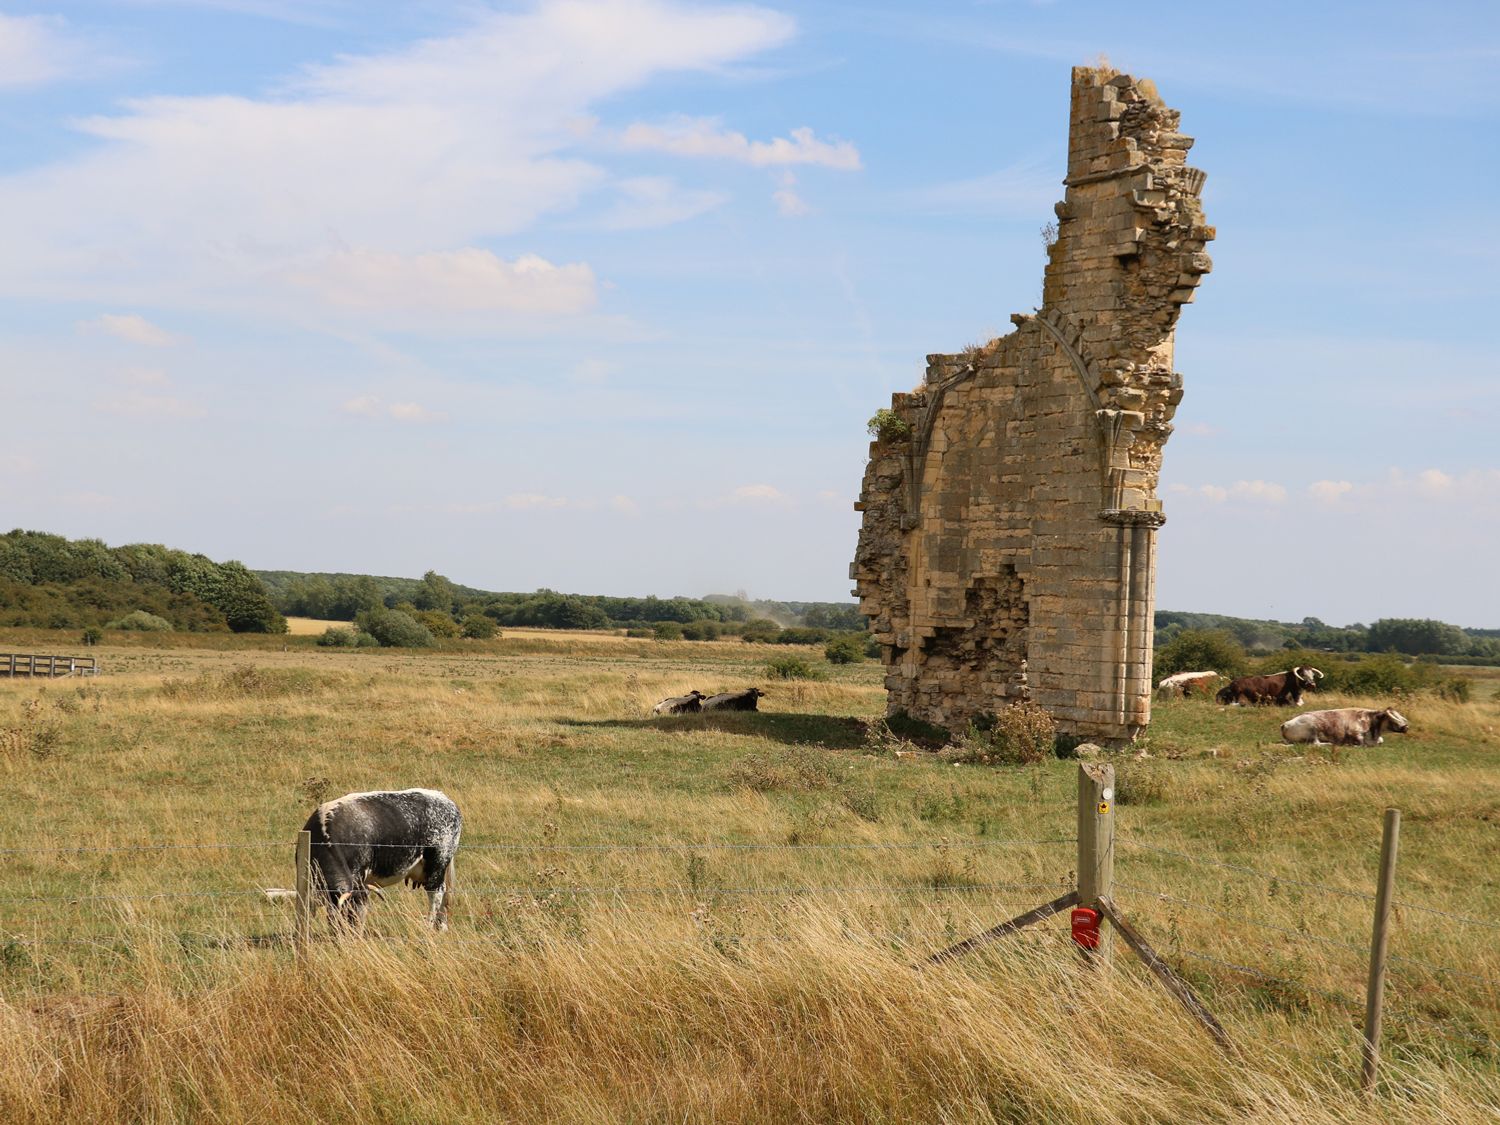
<point x="362" y="841"/>
<point x="734" y="700"/>
<point x="688" y="704"/>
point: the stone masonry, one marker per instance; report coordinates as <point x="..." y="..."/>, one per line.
<point x="1008" y="550"/>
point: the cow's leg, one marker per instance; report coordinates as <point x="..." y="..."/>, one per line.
<point x="435" y="883"/>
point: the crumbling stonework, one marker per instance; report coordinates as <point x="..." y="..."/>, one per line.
<point x="1008" y="546"/>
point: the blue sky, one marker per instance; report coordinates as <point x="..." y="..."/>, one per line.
<point x="598" y="294"/>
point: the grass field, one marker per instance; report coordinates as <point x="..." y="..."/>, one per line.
<point x="654" y="973"/>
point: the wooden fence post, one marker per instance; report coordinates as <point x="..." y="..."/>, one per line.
<point x="302" y="936"/>
<point x="1096" y="843"/>
<point x="1375" y="994"/>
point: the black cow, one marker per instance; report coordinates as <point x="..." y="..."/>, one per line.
<point x="733" y="700"/>
<point x="1283" y="688"/>
<point x="370" y="840"/>
<point x="688" y="704"/>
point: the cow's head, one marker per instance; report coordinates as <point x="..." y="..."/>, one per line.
<point x="1394" y="720"/>
<point x="696" y="694"/>
<point x="1306" y="676"/>
<point x="756" y="693"/>
<point x="346" y="909"/>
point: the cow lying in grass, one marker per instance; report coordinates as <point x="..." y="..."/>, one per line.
<point x="689" y="704"/>
<point x="1185" y="684"/>
<point x="1346" y="726"/>
<point x="734" y="700"/>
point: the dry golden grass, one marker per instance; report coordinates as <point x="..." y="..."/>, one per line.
<point x="694" y="982"/>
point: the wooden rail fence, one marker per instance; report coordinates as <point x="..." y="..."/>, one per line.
<point x="15" y="664"/>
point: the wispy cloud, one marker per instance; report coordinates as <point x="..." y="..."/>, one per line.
<point x="787" y="201"/>
<point x="370" y="406"/>
<point x="256" y="204"/>
<point x="36" y="50"/>
<point x="467" y="280"/>
<point x="1025" y="189"/>
<point x="657" y="201"/>
<point x="140" y="404"/>
<point x="707" y="137"/>
<point x="129" y="326"/>
<point x="750" y="495"/>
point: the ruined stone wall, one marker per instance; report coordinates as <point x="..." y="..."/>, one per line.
<point x="1008" y="544"/>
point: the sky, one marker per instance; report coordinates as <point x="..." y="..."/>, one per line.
<point x="598" y="295"/>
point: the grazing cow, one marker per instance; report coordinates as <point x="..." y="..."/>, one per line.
<point x="364" y="841"/>
<point x="1184" y="683"/>
<point x="1283" y="688"/>
<point x="687" y="704"/>
<point x="733" y="700"/>
<point x="1346" y="726"/>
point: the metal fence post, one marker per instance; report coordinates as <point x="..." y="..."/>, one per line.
<point x="1096" y="843"/>
<point x="1375" y="994"/>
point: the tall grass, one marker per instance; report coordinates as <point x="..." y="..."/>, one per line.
<point x="689" y="982"/>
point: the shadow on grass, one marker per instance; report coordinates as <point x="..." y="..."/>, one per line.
<point x="836" y="732"/>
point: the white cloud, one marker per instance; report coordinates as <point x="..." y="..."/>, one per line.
<point x="35" y="50"/>
<point x="467" y="280"/>
<point x="1214" y="493"/>
<point x="531" y="501"/>
<point x="756" y="495"/>
<point x="1434" y="480"/>
<point x="388" y="170"/>
<point x="1329" y="491"/>
<point x="414" y="412"/>
<point x="624" y="505"/>
<point x="787" y="201"/>
<point x="370" y="406"/>
<point x="657" y="201"/>
<point x="129" y="326"/>
<point x="1259" y="491"/>
<point x="139" y="404"/>
<point x="705" y="136"/>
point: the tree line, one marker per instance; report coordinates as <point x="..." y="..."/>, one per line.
<point x="52" y="582"/>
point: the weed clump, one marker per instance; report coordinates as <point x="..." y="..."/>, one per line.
<point x="1021" y="735"/>
<point x="793" y="770"/>
<point x="1141" y="783"/>
<point x="246" y="681"/>
<point x="845" y="650"/>
<point x="793" y="668"/>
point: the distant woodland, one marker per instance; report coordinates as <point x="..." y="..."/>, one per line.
<point x="48" y="581"/>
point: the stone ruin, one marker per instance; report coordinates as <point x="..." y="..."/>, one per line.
<point x="1008" y="549"/>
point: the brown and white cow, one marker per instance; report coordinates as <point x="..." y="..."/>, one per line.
<point x="1282" y="688"/>
<point x="1345" y="726"/>
<point x="689" y="704"/>
<point x="1184" y="683"/>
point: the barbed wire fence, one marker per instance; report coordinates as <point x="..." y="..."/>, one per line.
<point x="1432" y="998"/>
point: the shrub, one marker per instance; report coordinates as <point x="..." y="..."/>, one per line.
<point x="887" y="425"/>
<point x="142" y="622"/>
<point x="1201" y="650"/>
<point x="762" y="630"/>
<point x="478" y="627"/>
<point x="667" y="631"/>
<point x="92" y="635"/>
<point x="364" y="640"/>
<point x="797" y="768"/>
<point x="647" y="633"/>
<point x="845" y="650"/>
<point x="338" y="637"/>
<point x="701" y="630"/>
<point x="438" y="623"/>
<point x="1380" y="675"/>
<point x="1021" y="734"/>
<point x="793" y="668"/>
<point x="1456" y="690"/>
<point x="394" y="629"/>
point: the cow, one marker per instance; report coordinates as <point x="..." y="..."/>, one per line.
<point x="733" y="700"/>
<point x="688" y="704"/>
<point x="1283" y="688"/>
<point x="364" y="841"/>
<point x="1346" y="726"/>
<point x="1184" y="683"/>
